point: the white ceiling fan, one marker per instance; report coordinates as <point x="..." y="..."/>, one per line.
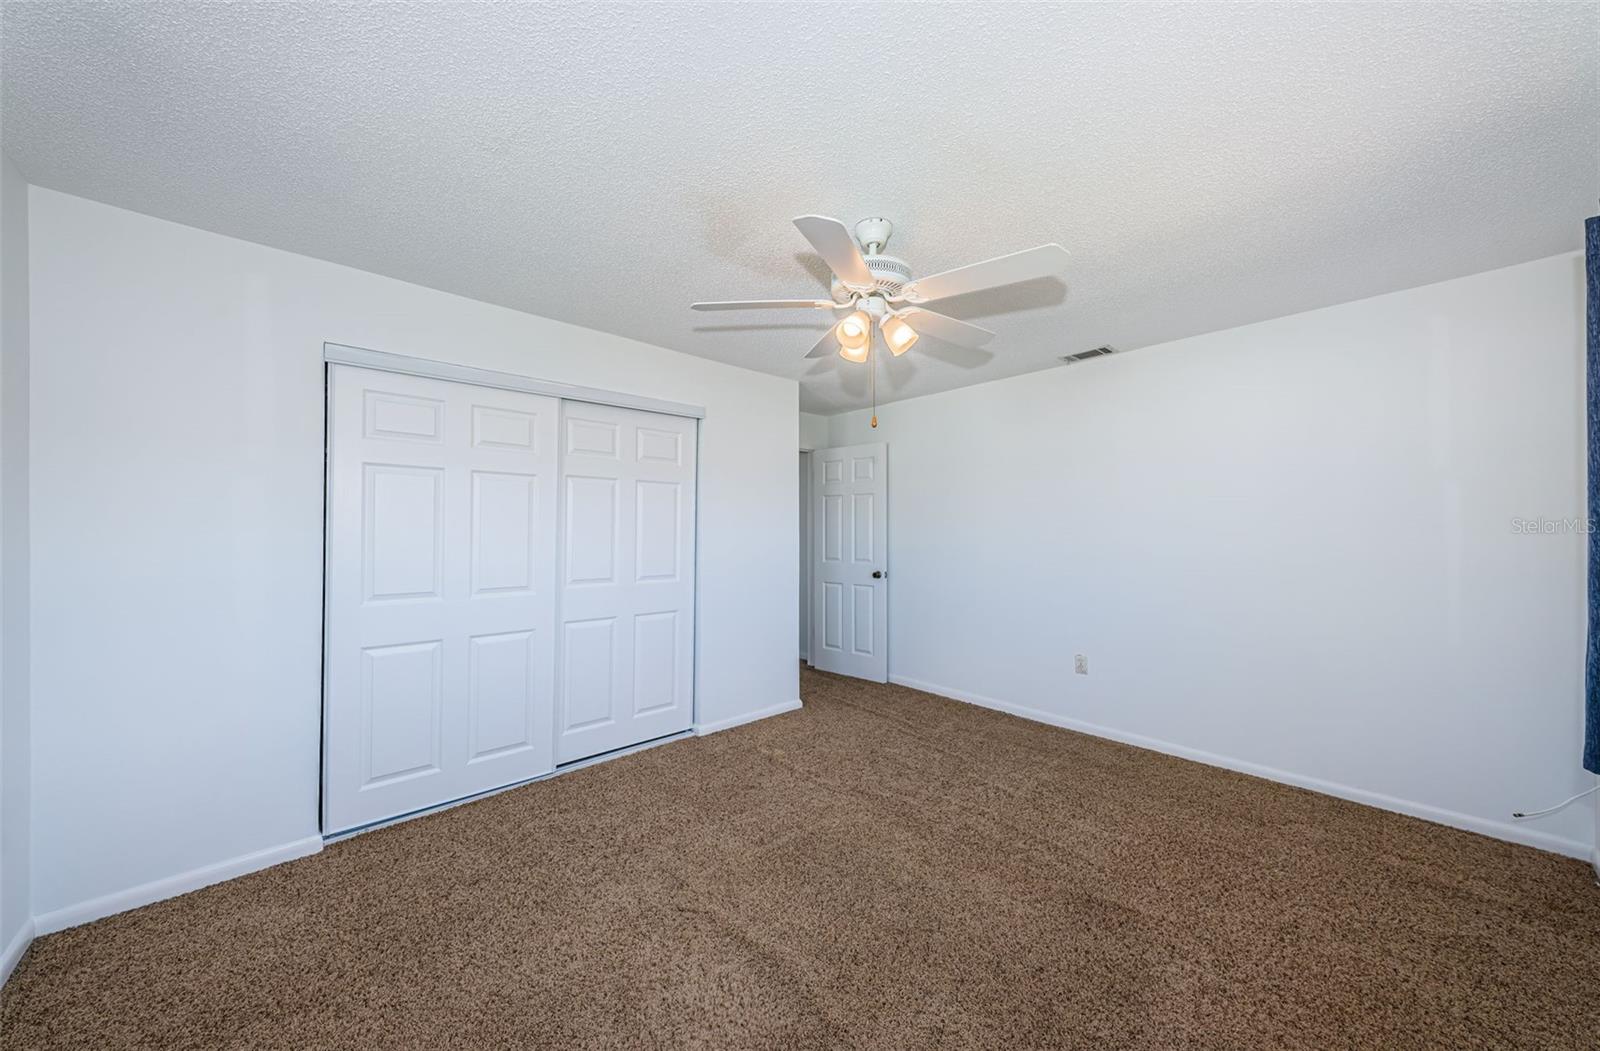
<point x="874" y="287"/>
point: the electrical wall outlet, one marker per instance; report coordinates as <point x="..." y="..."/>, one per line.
<point x="1080" y="664"/>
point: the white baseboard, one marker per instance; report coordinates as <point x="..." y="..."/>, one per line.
<point x="13" y="952"/>
<point x="1484" y="826"/>
<point x="172" y="886"/>
<point x="748" y="717"/>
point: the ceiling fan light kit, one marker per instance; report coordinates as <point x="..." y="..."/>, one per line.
<point x="897" y="334"/>
<point x="872" y="285"/>
<point x="854" y="334"/>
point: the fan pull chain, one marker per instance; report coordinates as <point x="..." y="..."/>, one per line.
<point x="872" y="351"/>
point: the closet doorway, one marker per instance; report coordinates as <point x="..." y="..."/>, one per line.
<point x="509" y="587"/>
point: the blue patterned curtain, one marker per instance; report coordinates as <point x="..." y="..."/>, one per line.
<point x="1591" y="684"/>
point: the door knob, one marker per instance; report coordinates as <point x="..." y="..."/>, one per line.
<point x="877" y="574"/>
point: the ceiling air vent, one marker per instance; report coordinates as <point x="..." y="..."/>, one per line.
<point x="1098" y="352"/>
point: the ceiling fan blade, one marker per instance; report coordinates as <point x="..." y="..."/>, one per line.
<point x="947" y="328"/>
<point x="838" y="249"/>
<point x="825" y="346"/>
<point x="765" y="304"/>
<point x="991" y="273"/>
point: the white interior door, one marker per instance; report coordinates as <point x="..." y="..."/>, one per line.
<point x="440" y="592"/>
<point x="849" y="539"/>
<point x="626" y="653"/>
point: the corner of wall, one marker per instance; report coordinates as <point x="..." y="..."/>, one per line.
<point x="12" y="952"/>
<point x="813" y="431"/>
<point x="16" y="831"/>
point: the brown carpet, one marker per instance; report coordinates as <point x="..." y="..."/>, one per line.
<point x="883" y="869"/>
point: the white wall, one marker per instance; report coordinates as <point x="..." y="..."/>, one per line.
<point x="1291" y="545"/>
<point x="15" y="895"/>
<point x="177" y="530"/>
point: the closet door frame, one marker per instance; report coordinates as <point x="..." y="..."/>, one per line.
<point x="342" y="354"/>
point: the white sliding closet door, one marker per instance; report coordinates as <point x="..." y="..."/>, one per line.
<point x="440" y="580"/>
<point x="626" y="650"/>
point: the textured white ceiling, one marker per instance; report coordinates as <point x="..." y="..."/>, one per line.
<point x="1208" y="165"/>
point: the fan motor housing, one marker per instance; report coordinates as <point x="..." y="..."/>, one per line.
<point x="892" y="275"/>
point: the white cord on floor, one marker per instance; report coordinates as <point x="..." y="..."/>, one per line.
<point x="1551" y="810"/>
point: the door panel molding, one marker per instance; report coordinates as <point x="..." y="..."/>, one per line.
<point x="440" y="592"/>
<point x="629" y="560"/>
